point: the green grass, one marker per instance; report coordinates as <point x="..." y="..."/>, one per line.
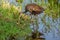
<point x="12" y="24"/>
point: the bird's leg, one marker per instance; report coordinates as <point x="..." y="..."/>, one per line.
<point x="37" y="26"/>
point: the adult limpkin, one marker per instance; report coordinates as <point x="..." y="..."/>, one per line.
<point x="34" y="9"/>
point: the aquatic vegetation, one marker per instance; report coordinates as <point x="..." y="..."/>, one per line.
<point x="13" y="23"/>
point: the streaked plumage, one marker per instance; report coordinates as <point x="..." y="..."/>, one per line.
<point x="33" y="9"/>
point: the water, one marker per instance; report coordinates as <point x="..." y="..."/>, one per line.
<point x="54" y="33"/>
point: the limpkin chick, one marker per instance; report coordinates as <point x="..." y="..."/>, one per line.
<point x="33" y="9"/>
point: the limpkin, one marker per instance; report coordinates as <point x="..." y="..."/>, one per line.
<point x="33" y="9"/>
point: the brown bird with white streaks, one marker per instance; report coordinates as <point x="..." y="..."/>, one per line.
<point x="33" y="9"/>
